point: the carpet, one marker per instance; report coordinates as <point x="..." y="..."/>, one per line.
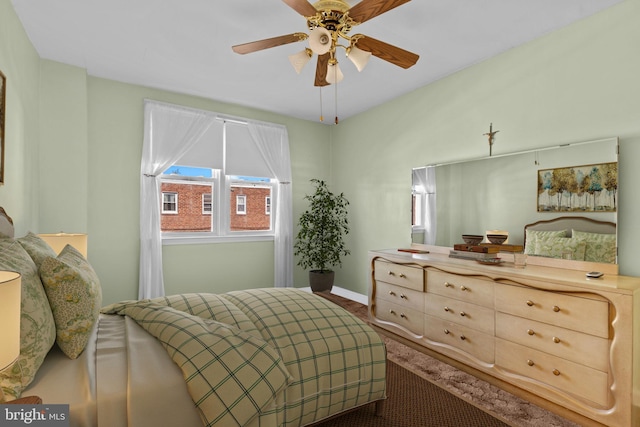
<point x="413" y="401"/>
<point x="509" y="408"/>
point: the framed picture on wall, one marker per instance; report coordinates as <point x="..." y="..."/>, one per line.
<point x="588" y="188"/>
<point x="3" y="90"/>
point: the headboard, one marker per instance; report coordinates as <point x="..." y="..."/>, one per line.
<point x="571" y="222"/>
<point x="6" y="223"/>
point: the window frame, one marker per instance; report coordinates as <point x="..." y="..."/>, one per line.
<point x="164" y="211"/>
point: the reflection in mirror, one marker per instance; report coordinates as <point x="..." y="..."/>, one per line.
<point x="502" y="192"/>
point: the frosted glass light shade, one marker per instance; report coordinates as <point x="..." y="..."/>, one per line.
<point x="300" y="59"/>
<point x="58" y="241"/>
<point x="9" y="318"/>
<point x="320" y="40"/>
<point x="359" y="57"/>
<point x="334" y="75"/>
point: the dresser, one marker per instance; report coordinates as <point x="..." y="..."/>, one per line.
<point x="541" y="332"/>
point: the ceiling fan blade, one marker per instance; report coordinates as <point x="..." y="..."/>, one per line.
<point x="303" y="7"/>
<point x="395" y="55"/>
<point x="269" y="43"/>
<point x="368" y="9"/>
<point x="321" y="70"/>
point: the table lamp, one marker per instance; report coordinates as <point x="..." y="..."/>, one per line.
<point x="58" y="241"/>
<point x="9" y="319"/>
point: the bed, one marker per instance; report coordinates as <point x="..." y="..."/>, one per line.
<point x="572" y="237"/>
<point x="260" y="357"/>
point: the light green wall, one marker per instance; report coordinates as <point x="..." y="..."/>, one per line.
<point x="20" y="63"/>
<point x="577" y="84"/>
<point x="80" y="137"/>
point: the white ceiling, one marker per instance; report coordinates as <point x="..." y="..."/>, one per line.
<point x="185" y="45"/>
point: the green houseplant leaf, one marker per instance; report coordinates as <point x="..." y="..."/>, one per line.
<point x="320" y="239"/>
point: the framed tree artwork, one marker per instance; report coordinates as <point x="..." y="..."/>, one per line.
<point x="3" y="90"/>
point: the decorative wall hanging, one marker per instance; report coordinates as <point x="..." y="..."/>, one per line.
<point x="588" y="188"/>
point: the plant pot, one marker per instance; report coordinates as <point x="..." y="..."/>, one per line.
<point x="321" y="280"/>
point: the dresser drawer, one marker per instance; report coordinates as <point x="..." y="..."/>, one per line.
<point x="400" y="296"/>
<point x="471" y="341"/>
<point x="461" y="312"/>
<point x="478" y="291"/>
<point x="561" y="374"/>
<point x="407" y="318"/>
<point x="578" y="347"/>
<point x="573" y="312"/>
<point x="401" y="275"/>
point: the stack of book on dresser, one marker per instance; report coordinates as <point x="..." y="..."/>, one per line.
<point x="481" y="252"/>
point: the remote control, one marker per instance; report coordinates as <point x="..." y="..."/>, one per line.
<point x="594" y="274"/>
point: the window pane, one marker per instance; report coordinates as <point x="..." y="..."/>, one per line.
<point x="247" y="204"/>
<point x="191" y="217"/>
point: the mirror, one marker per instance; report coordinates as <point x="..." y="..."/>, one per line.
<point x="506" y="192"/>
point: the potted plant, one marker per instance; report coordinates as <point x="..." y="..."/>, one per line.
<point x="320" y="239"/>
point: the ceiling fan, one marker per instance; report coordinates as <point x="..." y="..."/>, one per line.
<point x="329" y="21"/>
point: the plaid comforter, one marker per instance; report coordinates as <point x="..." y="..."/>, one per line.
<point x="265" y="357"/>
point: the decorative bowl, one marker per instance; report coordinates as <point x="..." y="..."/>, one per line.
<point x="472" y="239"/>
<point x="497" y="239"/>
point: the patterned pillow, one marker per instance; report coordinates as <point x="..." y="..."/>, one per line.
<point x="600" y="247"/>
<point x="37" y="328"/>
<point x="232" y="376"/>
<point x="75" y="296"/>
<point x="532" y="237"/>
<point x="37" y="248"/>
<point x="557" y="247"/>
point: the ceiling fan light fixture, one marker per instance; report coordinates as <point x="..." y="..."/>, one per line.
<point x="320" y="40"/>
<point x="359" y="57"/>
<point x="300" y="59"/>
<point x="334" y="74"/>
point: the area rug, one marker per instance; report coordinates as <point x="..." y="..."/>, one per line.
<point x="413" y="401"/>
<point x="509" y="408"/>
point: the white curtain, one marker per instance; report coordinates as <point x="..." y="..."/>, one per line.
<point x="425" y="178"/>
<point x="273" y="143"/>
<point x="169" y="132"/>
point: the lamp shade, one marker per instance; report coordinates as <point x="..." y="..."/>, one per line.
<point x="58" y="241"/>
<point x="359" y="57"/>
<point x="320" y="40"/>
<point x="334" y="74"/>
<point x="300" y="59"/>
<point x="9" y="317"/>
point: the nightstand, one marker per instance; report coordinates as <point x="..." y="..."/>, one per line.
<point x="27" y="400"/>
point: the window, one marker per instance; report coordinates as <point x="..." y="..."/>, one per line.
<point x="222" y="184"/>
<point x="207" y="206"/>
<point x="169" y="203"/>
<point x="241" y="205"/>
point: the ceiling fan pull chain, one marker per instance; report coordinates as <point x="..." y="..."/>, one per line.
<point x="335" y="70"/>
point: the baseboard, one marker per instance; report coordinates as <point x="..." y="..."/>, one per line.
<point x="346" y="293"/>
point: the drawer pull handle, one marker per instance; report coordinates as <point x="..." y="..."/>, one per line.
<point x="392" y="293"/>
<point x="446" y="309"/>
<point x="556" y="340"/>
<point x="446" y="331"/>
<point x="556" y="372"/>
<point x="556" y="308"/>
<point x="462" y="337"/>
<point x="403" y="296"/>
<point x="403" y="315"/>
<point x="391" y="273"/>
<point x="462" y="313"/>
<point x="402" y="276"/>
<point x="530" y="362"/>
<point x="464" y="288"/>
<point x="392" y="312"/>
<point x="531" y="332"/>
<point x="530" y="303"/>
<point x="448" y="285"/>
